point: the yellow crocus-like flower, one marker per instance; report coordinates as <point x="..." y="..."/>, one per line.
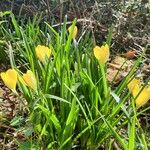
<point x="10" y="79"/>
<point x="42" y="52"/>
<point x="30" y="80"/>
<point x="143" y="98"/>
<point x="135" y="87"/>
<point x="102" y="53"/>
<point x="75" y="30"/>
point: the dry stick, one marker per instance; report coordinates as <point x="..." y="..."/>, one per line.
<point x="7" y="127"/>
<point x="83" y="20"/>
<point x="48" y="8"/>
<point x="61" y="10"/>
<point x="12" y="5"/>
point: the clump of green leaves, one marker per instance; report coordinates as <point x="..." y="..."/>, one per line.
<point x="74" y="105"/>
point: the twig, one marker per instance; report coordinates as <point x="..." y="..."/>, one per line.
<point x="7" y="127"/>
<point x="82" y="20"/>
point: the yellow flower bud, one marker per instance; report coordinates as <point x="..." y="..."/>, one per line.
<point x="10" y="79"/>
<point x="134" y="87"/>
<point x="42" y="52"/>
<point x="75" y="30"/>
<point x="143" y="97"/>
<point x="30" y="80"/>
<point x="102" y="53"/>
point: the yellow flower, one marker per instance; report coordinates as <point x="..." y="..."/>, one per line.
<point x="75" y="30"/>
<point x="102" y="53"/>
<point x="143" y="98"/>
<point x="30" y="80"/>
<point x="42" y="52"/>
<point x="10" y="79"/>
<point x="135" y="87"/>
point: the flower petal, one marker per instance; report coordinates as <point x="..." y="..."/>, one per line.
<point x="42" y="52"/>
<point x="134" y="87"/>
<point x="30" y="80"/>
<point x="143" y="97"/>
<point x="75" y="30"/>
<point x="10" y="79"/>
<point x="102" y="53"/>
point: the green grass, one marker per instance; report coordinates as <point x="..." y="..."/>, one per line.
<point x="74" y="106"/>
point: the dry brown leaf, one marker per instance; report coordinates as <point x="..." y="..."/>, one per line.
<point x="130" y="54"/>
<point x="1" y="93"/>
<point x="111" y="74"/>
<point x="120" y="64"/>
<point x="118" y="61"/>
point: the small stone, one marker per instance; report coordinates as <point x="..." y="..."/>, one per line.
<point x="9" y="109"/>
